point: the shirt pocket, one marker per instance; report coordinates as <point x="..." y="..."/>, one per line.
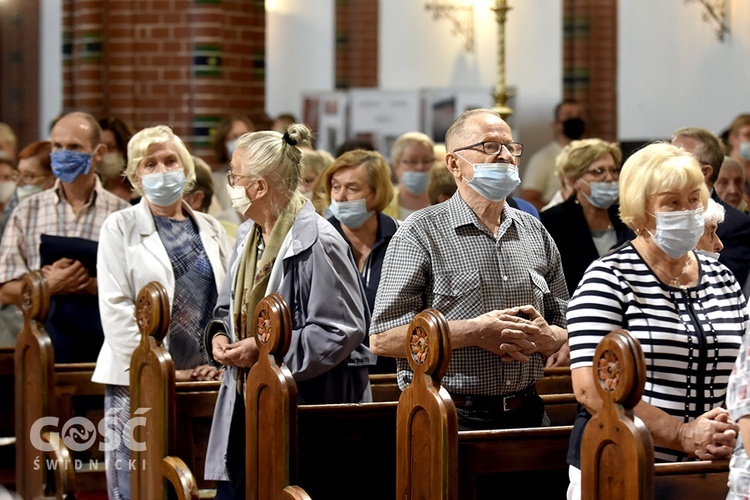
<point x="458" y="295"/>
<point x="540" y="290"/>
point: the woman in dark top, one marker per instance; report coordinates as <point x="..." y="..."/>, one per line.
<point x="358" y="187"/>
<point x="586" y="226"/>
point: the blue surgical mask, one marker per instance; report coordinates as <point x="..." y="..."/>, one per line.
<point x="744" y="150"/>
<point x="351" y="213"/>
<point x="603" y="194"/>
<point x="68" y="165"/>
<point x="230" y="147"/>
<point x="164" y="188"/>
<point x="678" y="232"/>
<point x="494" y="181"/>
<point x="415" y="182"/>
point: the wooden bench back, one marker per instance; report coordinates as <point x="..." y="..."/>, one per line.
<point x="271" y="407"/>
<point x="152" y="403"/>
<point x="617" y="455"/>
<point x="427" y="424"/>
<point x="34" y="382"/>
<point x="434" y="460"/>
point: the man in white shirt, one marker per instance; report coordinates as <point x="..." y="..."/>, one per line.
<point x="539" y="182"/>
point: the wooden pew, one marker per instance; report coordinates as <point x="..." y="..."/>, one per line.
<point x="271" y="408"/>
<point x="355" y="428"/>
<point x="617" y="457"/>
<point x="34" y="362"/>
<point x="43" y="389"/>
<point x="67" y="392"/>
<point x="426" y="421"/>
<point x="270" y="399"/>
<point x="71" y="392"/>
<point x="7" y="418"/>
<point x="436" y="461"/>
<point x="152" y="387"/>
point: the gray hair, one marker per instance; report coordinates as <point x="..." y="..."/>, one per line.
<point x="276" y="158"/>
<point x="714" y="213"/>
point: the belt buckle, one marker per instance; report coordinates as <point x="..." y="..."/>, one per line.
<point x="505" y="403"/>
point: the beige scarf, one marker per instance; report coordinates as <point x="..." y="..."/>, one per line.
<point x="252" y="276"/>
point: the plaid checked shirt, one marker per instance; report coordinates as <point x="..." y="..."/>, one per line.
<point x="443" y="257"/>
<point x="48" y="213"/>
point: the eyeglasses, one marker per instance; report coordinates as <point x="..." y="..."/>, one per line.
<point x="492" y="148"/>
<point x="28" y="178"/>
<point x="232" y="177"/>
<point x="601" y="172"/>
<point x="414" y="163"/>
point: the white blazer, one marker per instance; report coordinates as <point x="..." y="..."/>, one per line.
<point x="131" y="254"/>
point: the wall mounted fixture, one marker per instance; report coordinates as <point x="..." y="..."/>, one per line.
<point x="461" y="17"/>
<point x="717" y="12"/>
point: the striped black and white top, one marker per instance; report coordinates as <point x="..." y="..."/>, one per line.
<point x="690" y="336"/>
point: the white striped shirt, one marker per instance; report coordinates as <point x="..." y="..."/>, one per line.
<point x="690" y="336"/>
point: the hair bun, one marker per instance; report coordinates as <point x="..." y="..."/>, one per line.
<point x="287" y="138"/>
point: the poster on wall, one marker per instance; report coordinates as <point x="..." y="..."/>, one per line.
<point x="326" y="114"/>
<point x="442" y="106"/>
<point x="383" y="115"/>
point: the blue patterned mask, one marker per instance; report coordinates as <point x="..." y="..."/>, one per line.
<point x="68" y="165"/>
<point x="351" y="213"/>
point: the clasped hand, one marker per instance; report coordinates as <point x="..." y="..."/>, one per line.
<point x="513" y="337"/>
<point x="711" y="436"/>
<point x="66" y="276"/>
<point x="243" y="353"/>
<point x="202" y="372"/>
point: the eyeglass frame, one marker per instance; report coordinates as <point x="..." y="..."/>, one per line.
<point x="500" y="149"/>
<point x="29" y="178"/>
<point x="231" y="177"/>
<point x="613" y="173"/>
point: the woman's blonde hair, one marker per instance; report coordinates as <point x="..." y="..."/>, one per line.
<point x="577" y="156"/>
<point x="376" y="169"/>
<point x="409" y="138"/>
<point x="657" y="168"/>
<point x="276" y="158"/>
<point x="160" y="134"/>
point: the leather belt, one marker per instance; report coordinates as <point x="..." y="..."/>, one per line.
<point x="506" y="403"/>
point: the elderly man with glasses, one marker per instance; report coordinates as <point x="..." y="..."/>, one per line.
<point x="491" y="270"/>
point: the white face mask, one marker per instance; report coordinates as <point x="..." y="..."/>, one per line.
<point x="24" y="192"/>
<point x="238" y="195"/>
<point x="678" y="232"/>
<point x="6" y="190"/>
<point x="713" y="255"/>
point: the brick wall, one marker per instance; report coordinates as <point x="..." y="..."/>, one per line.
<point x="356" y="43"/>
<point x="590" y="62"/>
<point x="184" y="63"/>
<point x="19" y="67"/>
